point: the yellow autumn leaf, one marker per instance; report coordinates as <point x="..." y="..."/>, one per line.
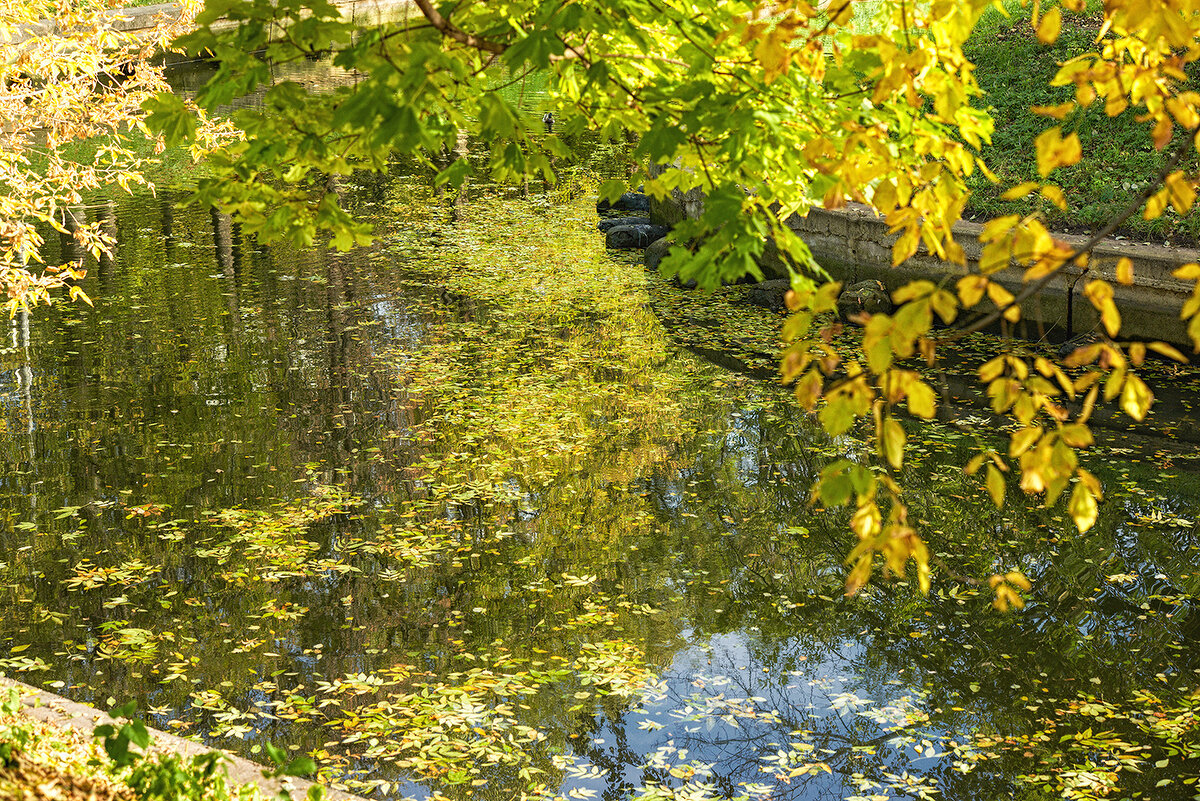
<point x="1002" y="298"/>
<point x="1161" y="133"/>
<point x="1050" y="26"/>
<point x="1057" y="112"/>
<point x="893" y="440"/>
<point x="867" y="520"/>
<point x="1082" y="508"/>
<point x="994" y="257"/>
<point x="808" y="390"/>
<point x="1137" y="354"/>
<point x="1170" y="351"/>
<point x="1125" y="270"/>
<point x="1180" y="192"/>
<point x="994" y="230"/>
<point x="971" y="289"/>
<point x="1055" y="196"/>
<point x="1017" y="579"/>
<point x="1156" y="205"/>
<point x="995" y="485"/>
<point x="1020" y="190"/>
<point x="1023" y="440"/>
<point x="1187" y="272"/>
<point x="858" y="577"/>
<point x="1183" y="112"/>
<point x="921" y="400"/>
<point x="992" y="369"/>
<point x="1136" y="397"/>
<point x="1076" y="435"/>
<point x="773" y="53"/>
<point x="1100" y="293"/>
<point x="1053" y="150"/>
<point x="1089" y="403"/>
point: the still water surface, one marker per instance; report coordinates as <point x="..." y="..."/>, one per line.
<point x="463" y="512"/>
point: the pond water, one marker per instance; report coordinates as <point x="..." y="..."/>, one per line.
<point x="468" y="513"/>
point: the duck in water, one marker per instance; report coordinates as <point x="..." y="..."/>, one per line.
<point x="548" y="120"/>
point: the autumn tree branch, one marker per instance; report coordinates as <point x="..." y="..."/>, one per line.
<point x="1037" y="286"/>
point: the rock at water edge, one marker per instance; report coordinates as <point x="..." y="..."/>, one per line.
<point x="627" y="237"/>
<point x="769" y="294"/>
<point x="613" y="222"/>
<point x="863" y="298"/>
<point x="656" y="251"/>
<point x="630" y="201"/>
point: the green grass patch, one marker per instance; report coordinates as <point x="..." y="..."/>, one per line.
<point x="1015" y="71"/>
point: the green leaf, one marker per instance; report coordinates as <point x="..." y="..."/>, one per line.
<point x="125" y="710"/>
<point x="837" y="415"/>
<point x="300" y="766"/>
<point x="138" y="734"/>
<point x="835" y="487"/>
<point x="454" y="175"/>
<point x="612" y="189"/>
<point x="167" y="115"/>
<point x="276" y="754"/>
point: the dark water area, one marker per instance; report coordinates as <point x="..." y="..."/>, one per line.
<point x="463" y="513"/>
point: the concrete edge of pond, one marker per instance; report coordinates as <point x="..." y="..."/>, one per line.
<point x="57" y="711"/>
<point x="854" y="244"/>
<point x="857" y="244"/>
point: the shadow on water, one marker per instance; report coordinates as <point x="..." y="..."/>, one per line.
<point x="457" y="513"/>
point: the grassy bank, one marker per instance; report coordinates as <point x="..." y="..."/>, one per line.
<point x="1118" y="158"/>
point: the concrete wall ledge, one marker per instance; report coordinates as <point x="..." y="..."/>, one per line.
<point x="854" y="244"/>
<point x="58" y="711"/>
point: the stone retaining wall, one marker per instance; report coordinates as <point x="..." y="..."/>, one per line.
<point x="853" y="244"/>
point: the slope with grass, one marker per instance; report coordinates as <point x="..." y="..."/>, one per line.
<point x="1016" y="70"/>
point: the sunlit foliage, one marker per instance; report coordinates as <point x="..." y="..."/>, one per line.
<point x="72" y="87"/>
<point x="770" y="109"/>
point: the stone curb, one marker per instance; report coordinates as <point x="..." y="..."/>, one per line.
<point x="58" y="711"/>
